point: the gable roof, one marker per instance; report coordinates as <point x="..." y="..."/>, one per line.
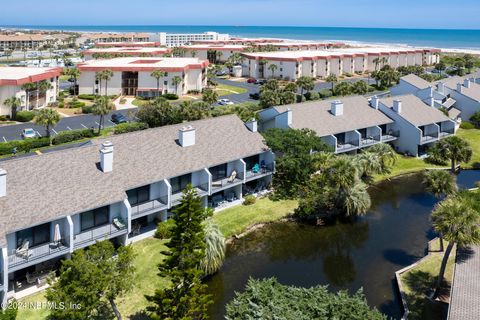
<point x="416" y="81"/>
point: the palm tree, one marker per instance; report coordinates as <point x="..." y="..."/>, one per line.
<point x="106" y="75"/>
<point x="42" y="88"/>
<point x="101" y="108"/>
<point x="157" y="74"/>
<point x="272" y="67"/>
<point x="440" y="183"/>
<point x="305" y="83"/>
<point x="13" y="103"/>
<point x="331" y="78"/>
<point x="458" y="222"/>
<point x="453" y="149"/>
<point x="48" y="118"/>
<point x="376" y="61"/>
<point x="98" y="78"/>
<point x="355" y="200"/>
<point x="176" y="81"/>
<point x="209" y="96"/>
<point x="218" y="56"/>
<point x="215" y="248"/>
<point x="29" y="88"/>
<point x="74" y="74"/>
<point x="386" y="154"/>
<point x="262" y="62"/>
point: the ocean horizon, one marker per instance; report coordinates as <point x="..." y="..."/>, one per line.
<point x="439" y="38"/>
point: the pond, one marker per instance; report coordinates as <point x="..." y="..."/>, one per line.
<point x="364" y="253"/>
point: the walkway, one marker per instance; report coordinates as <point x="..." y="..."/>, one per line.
<point x="465" y="295"/>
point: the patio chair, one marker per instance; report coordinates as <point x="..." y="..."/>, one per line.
<point x="119" y="223"/>
<point x="24" y="250"/>
<point x="256" y="168"/>
<point x="232" y="177"/>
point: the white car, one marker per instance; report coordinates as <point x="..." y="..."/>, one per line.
<point x="224" y="102"/>
<point x="28" y="133"/>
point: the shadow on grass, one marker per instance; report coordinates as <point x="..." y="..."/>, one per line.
<point x="140" y="315"/>
<point x="421" y="284"/>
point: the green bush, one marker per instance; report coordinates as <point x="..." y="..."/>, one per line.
<point x="76" y="104"/>
<point x="475" y="119"/>
<point x="26" y="145"/>
<point x="249" y="200"/>
<point x="3" y="118"/>
<point x="170" y="96"/>
<point x="312" y="95"/>
<point x="10" y="312"/>
<point x="129" y="127"/>
<point x="467" y="125"/>
<point x="86" y="97"/>
<point x="25" y="116"/>
<point x="87" y="109"/>
<point x="164" y="229"/>
<point x="325" y="93"/>
<point x="73" y="135"/>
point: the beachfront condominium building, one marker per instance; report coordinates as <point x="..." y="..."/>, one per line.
<point x="127" y="44"/>
<point x="112" y="37"/>
<point x="180" y="39"/>
<point x="419" y="124"/>
<point x="13" y="79"/>
<point x="320" y="63"/>
<point x="459" y="95"/>
<point x="119" y="190"/>
<point x="33" y="41"/>
<point x="345" y="125"/>
<point x="112" y="52"/>
<point x="213" y="53"/>
<point x="133" y="76"/>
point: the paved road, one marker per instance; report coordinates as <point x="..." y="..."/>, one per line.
<point x="13" y="132"/>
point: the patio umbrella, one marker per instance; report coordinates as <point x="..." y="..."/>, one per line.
<point x="56" y="235"/>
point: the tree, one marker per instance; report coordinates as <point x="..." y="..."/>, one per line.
<point x="440" y="183"/>
<point x="209" y="96"/>
<point x="48" y="118"/>
<point x="159" y="112"/>
<point x="475" y="119"/>
<point x="440" y="67"/>
<point x="13" y="103"/>
<point x="191" y="111"/>
<point x="29" y="87"/>
<point x="176" y="81"/>
<point x="92" y="279"/>
<point x="158" y="74"/>
<point x="102" y="106"/>
<point x="215" y="248"/>
<point x="10" y="311"/>
<point x="386" y="155"/>
<point x="469" y="62"/>
<point x="263" y="62"/>
<point x="42" y="88"/>
<point x="360" y="87"/>
<point x="305" y="83"/>
<point x="343" y="89"/>
<point x="106" y="75"/>
<point x="459" y="224"/>
<point x="272" y="67"/>
<point x="453" y="149"/>
<point x="332" y="78"/>
<point x="293" y="141"/>
<point x="268" y="299"/>
<point x="179" y="52"/>
<point x="185" y="297"/>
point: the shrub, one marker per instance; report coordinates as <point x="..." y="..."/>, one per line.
<point x="25" y="116"/>
<point x="325" y="93"/>
<point x="123" y="101"/>
<point x="129" y="127"/>
<point x="300" y="99"/>
<point x="475" y="119"/>
<point x="61" y="104"/>
<point x="467" y="125"/>
<point x="193" y="91"/>
<point x="76" y="104"/>
<point x="170" y="96"/>
<point x="3" y="118"/>
<point x="26" y="145"/>
<point x="86" y="97"/>
<point x="72" y="135"/>
<point x="164" y="229"/>
<point x="249" y="200"/>
<point x="312" y="95"/>
<point x="87" y="109"/>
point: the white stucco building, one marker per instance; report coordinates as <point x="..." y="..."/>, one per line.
<point x="213" y="53"/>
<point x="13" y="78"/>
<point x="180" y="39"/>
<point x="125" y="52"/>
<point x="132" y="76"/>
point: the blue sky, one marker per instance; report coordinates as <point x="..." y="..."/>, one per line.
<point x="459" y="14"/>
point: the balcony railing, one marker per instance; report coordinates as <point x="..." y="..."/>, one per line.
<point x="368" y="141"/>
<point x="17" y="258"/>
<point x="447" y="132"/>
<point x="201" y="189"/>
<point x="348" y="146"/>
<point x="429" y="137"/>
<point x="222" y="183"/>
<point x="262" y="170"/>
<point x="156" y="204"/>
<point x="105" y="231"/>
<point x="390" y="135"/>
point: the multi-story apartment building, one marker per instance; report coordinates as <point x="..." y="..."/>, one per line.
<point x="125" y="52"/>
<point x="213" y="53"/>
<point x="56" y="203"/>
<point x="126" y="44"/>
<point x="321" y="63"/>
<point x="180" y="39"/>
<point x="112" y="37"/>
<point x="132" y="76"/>
<point x="13" y="78"/>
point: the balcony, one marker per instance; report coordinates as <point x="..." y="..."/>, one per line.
<point x="88" y="237"/>
<point x="446" y="132"/>
<point x="390" y="136"/>
<point x="427" y="138"/>
<point x="149" y="207"/>
<point x="19" y="259"/>
<point x="345" y="147"/>
<point x="202" y="190"/>
<point x="368" y="141"/>
<point x="259" y="171"/>
<point x="225" y="183"/>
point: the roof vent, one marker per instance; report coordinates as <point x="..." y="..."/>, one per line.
<point x="459" y="87"/>
<point x="3" y="183"/>
<point x="106" y="157"/>
<point x="397" y="106"/>
<point x="337" y="108"/>
<point x="466" y="83"/>
<point x="441" y="87"/>
<point x="186" y="136"/>
<point x="252" y="125"/>
<point x="374" y="102"/>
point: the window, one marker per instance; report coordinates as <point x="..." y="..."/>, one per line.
<point x="165" y="83"/>
<point x="35" y="236"/>
<point x="139" y="195"/>
<point x="179" y="183"/>
<point x="218" y="172"/>
<point x="94" y="218"/>
<point x="251" y="161"/>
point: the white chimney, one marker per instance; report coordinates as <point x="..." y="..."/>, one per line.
<point x="374" y="102"/>
<point x="459" y="87"/>
<point x="106" y="157"/>
<point x="289" y="116"/>
<point x="252" y="125"/>
<point x="186" y="136"/>
<point x="441" y="87"/>
<point x="397" y="106"/>
<point x="466" y="83"/>
<point x="431" y="101"/>
<point x="337" y="108"/>
<point x="3" y="183"/>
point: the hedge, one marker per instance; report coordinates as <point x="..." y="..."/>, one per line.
<point x="170" y="96"/>
<point x="467" y="125"/>
<point x="325" y="93"/>
<point x="73" y="135"/>
<point x="129" y="127"/>
<point x="76" y="104"/>
<point x="23" y="145"/>
<point x="87" y="109"/>
<point x="25" y="116"/>
<point x="86" y="96"/>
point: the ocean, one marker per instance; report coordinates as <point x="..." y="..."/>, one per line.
<point x="449" y="38"/>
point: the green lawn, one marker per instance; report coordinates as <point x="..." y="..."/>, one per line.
<point x="420" y="279"/>
<point x="472" y="136"/>
<point x="223" y="89"/>
<point x="231" y="221"/>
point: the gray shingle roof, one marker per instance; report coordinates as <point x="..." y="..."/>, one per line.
<point x="415" y="110"/>
<point x="316" y="115"/>
<point x="416" y="81"/>
<point x="44" y="187"/>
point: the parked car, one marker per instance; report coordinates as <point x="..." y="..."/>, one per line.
<point x="224" y="102"/>
<point x="260" y="81"/>
<point x="221" y="73"/>
<point x="118" y="118"/>
<point x="28" y="133"/>
<point x="255" y="96"/>
<point x="251" y="80"/>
